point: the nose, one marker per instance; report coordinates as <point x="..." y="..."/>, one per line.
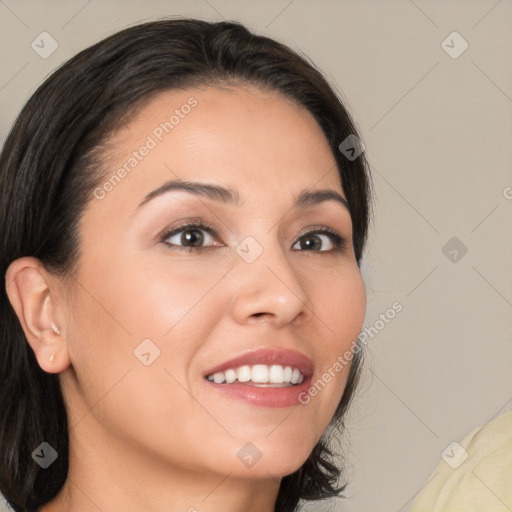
<point x="268" y="290"/>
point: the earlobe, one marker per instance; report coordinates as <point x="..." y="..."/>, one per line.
<point x="29" y="291"/>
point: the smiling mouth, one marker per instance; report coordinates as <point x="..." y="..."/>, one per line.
<point x="259" y="375"/>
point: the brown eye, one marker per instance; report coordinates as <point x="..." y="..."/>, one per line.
<point x="316" y="240"/>
<point x="191" y="237"/>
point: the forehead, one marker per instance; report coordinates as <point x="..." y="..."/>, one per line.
<point x="251" y="140"/>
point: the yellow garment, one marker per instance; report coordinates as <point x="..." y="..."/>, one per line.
<point x="477" y="481"/>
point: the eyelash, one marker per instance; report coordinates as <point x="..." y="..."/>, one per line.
<point x="338" y="241"/>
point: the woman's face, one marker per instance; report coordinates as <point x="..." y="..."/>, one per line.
<point x="150" y="320"/>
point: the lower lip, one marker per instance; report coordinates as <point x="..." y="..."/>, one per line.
<point x="264" y="396"/>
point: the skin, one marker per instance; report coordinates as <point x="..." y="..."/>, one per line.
<point x="158" y="437"/>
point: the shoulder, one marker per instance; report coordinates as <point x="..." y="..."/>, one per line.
<point x="4" y="506"/>
<point x="474" y="474"/>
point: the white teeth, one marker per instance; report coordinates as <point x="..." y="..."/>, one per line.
<point x="230" y="376"/>
<point x="276" y="374"/>
<point x="295" y="376"/>
<point x="219" y="378"/>
<point x="260" y="374"/>
<point x="244" y="373"/>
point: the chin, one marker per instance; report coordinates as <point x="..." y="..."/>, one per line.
<point x="275" y="463"/>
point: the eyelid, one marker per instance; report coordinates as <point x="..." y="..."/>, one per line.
<point x="189" y="224"/>
<point x="315" y="229"/>
<point x="339" y="241"/>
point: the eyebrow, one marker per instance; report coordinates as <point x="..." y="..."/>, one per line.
<point x="229" y="195"/>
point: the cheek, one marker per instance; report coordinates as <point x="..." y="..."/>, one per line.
<point x="341" y="310"/>
<point x="151" y="296"/>
<point x="122" y="305"/>
<point x="113" y="386"/>
<point x="341" y="306"/>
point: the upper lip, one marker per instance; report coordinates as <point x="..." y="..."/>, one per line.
<point x="268" y="356"/>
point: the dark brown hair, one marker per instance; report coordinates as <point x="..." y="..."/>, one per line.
<point x="49" y="167"/>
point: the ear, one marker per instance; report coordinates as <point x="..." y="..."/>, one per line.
<point x="33" y="292"/>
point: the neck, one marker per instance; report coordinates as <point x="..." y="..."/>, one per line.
<point x="107" y="475"/>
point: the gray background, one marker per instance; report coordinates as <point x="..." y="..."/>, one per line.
<point x="438" y="134"/>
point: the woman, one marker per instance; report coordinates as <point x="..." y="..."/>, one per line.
<point x="184" y="210"/>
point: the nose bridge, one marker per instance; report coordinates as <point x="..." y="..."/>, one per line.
<point x="267" y="281"/>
